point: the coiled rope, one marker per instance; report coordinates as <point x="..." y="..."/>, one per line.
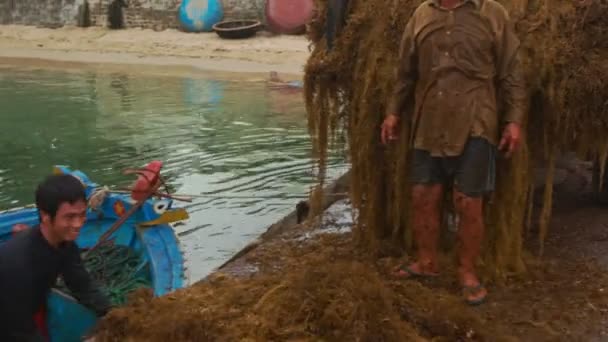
<point x="118" y="270"/>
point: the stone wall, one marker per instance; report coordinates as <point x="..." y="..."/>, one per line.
<point x="6" y="16"/>
<point x="244" y="9"/>
<point x="51" y="13"/>
<point x="152" y="14"/>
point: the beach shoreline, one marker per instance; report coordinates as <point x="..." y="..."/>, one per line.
<point x="147" y="50"/>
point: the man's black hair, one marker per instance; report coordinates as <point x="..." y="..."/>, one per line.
<point x="58" y="189"/>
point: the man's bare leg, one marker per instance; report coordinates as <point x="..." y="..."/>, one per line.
<point x="470" y="237"/>
<point x="426" y="200"/>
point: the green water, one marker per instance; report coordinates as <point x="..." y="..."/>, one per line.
<point x="224" y="138"/>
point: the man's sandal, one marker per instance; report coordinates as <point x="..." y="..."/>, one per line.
<point x="472" y="290"/>
<point x="406" y="272"/>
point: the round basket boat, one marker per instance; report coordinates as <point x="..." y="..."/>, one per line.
<point x="237" y="29"/>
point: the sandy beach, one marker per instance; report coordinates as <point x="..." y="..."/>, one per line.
<point x="205" y="51"/>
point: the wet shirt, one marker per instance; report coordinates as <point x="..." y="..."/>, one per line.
<point x="455" y="64"/>
<point x="29" y="267"/>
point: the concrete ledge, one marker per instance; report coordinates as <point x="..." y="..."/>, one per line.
<point x="332" y="193"/>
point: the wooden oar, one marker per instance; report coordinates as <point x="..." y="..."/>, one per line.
<point x="189" y="198"/>
<point x="182" y="198"/>
<point x="123" y="218"/>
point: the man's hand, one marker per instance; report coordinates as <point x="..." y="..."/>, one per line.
<point x="511" y="138"/>
<point x="389" y="129"/>
<point x="19" y="227"/>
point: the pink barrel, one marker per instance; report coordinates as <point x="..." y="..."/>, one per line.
<point x="288" y="16"/>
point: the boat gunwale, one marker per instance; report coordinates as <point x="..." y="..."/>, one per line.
<point x="255" y="24"/>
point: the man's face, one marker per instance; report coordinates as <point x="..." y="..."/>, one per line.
<point x="68" y="221"/>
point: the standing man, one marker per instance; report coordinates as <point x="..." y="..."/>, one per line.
<point x="32" y="260"/>
<point x="457" y="63"/>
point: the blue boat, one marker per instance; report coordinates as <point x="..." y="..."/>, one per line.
<point x="147" y="234"/>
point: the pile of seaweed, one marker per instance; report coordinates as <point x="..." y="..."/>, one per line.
<point x="320" y="289"/>
<point x="565" y="55"/>
<point x="321" y="292"/>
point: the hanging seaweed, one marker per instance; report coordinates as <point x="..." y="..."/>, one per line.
<point x="564" y="46"/>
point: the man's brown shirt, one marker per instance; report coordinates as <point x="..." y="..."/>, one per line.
<point x="455" y="63"/>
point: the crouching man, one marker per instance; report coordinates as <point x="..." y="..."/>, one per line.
<point x="33" y="259"/>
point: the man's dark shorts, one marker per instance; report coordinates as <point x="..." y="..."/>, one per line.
<point x="473" y="173"/>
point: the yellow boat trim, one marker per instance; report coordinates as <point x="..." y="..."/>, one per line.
<point x="168" y="217"/>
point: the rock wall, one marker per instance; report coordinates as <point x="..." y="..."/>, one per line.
<point x="151" y="14"/>
<point x="244" y="9"/>
<point x="51" y="13"/>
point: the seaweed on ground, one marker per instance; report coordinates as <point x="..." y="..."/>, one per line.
<point x="322" y="291"/>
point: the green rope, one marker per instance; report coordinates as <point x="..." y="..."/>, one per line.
<point x="117" y="270"/>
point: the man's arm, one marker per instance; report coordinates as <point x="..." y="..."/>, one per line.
<point x="81" y="285"/>
<point x="510" y="80"/>
<point x="406" y="72"/>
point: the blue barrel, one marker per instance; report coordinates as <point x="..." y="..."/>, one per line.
<point x="200" y="15"/>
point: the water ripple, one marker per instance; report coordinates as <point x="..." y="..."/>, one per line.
<point x="243" y="149"/>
